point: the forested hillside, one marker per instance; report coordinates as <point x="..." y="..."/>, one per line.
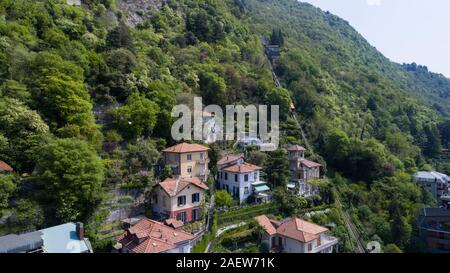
<point x="373" y="121"/>
<point x="86" y="94"/>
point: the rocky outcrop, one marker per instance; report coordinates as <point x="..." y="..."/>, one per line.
<point x="136" y="11"/>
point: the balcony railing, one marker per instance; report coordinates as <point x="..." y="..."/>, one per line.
<point x="203" y="161"/>
<point x="326" y="242"/>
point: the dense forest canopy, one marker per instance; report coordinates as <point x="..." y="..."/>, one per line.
<point x="86" y="94"/>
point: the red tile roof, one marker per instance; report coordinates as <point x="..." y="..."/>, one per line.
<point x="309" y="164"/>
<point x="265" y="223"/>
<point x="172" y="222"/>
<point x="174" y="186"/>
<point x="229" y="158"/>
<point x="242" y="168"/>
<point x="148" y="236"/>
<point x="5" y="167"/>
<point x="186" y="148"/>
<point x="294" y="148"/>
<point x="294" y="228"/>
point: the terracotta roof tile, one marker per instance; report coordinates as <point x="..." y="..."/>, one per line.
<point x="296" y="148"/>
<point x="266" y="224"/>
<point x="309" y="164"/>
<point x="5" y="167"/>
<point x="229" y="158"/>
<point x="174" y="186"/>
<point x="186" y="148"/>
<point x="242" y="168"/>
<point x="294" y="228"/>
<point x="173" y="223"/>
<point x="155" y="237"/>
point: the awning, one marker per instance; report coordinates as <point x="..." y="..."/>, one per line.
<point x="261" y="188"/>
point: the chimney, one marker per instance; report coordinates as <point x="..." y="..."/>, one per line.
<point x="80" y="230"/>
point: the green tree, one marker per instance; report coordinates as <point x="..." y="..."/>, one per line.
<point x="14" y="89"/>
<point x="21" y="129"/>
<point x="277" y="168"/>
<point x="71" y="175"/>
<point x="120" y="36"/>
<point x="205" y="25"/>
<point x="27" y="215"/>
<point x="433" y="144"/>
<point x="166" y="173"/>
<point x="121" y="60"/>
<point x="213" y="88"/>
<point x="59" y="93"/>
<point x="289" y="204"/>
<point x="337" y="147"/>
<point x="444" y="129"/>
<point x="137" y="117"/>
<point x="400" y="145"/>
<point x="7" y="188"/>
<point x="282" y="98"/>
<point x="224" y="199"/>
<point x="142" y="155"/>
<point x="392" y="248"/>
<point x="277" y="38"/>
<point x="401" y="230"/>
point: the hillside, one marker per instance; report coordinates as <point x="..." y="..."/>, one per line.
<point x="86" y="94"/>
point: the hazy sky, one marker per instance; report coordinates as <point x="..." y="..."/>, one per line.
<point x="403" y="30"/>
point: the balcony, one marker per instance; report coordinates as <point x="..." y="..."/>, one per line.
<point x="326" y="242"/>
<point x="295" y="158"/>
<point x="202" y="161"/>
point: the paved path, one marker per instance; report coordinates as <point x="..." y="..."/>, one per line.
<point x="222" y="230"/>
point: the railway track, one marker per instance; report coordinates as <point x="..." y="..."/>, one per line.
<point x="353" y="232"/>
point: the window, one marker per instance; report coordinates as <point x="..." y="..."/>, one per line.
<point x="246" y="177"/>
<point x="309" y="247"/>
<point x="236" y="177"/>
<point x="202" y="156"/>
<point x="189" y="157"/>
<point x="181" y="216"/>
<point x="155" y="198"/>
<point x="226" y="176"/>
<point x="189" y="169"/>
<point x="236" y="191"/>
<point x="196" y="214"/>
<point x="181" y="200"/>
<point x="318" y="241"/>
<point x="246" y="190"/>
<point x="196" y="197"/>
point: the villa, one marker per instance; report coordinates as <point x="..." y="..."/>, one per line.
<point x="303" y="171"/>
<point x="187" y="160"/>
<point x="294" y="235"/>
<point x="179" y="198"/>
<point x="242" y="179"/>
<point x="148" y="236"/>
